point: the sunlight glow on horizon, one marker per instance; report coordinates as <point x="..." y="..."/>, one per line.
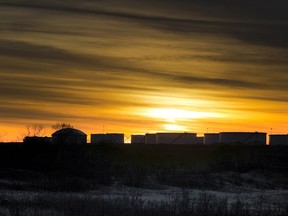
<point x="171" y="114"/>
<point x="175" y="127"/>
<point x="176" y="119"/>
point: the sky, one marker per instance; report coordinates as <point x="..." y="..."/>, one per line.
<point x="144" y="66"/>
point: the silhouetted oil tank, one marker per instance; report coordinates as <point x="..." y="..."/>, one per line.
<point x="200" y="140"/>
<point x="150" y="138"/>
<point x="137" y="139"/>
<point x="211" y="138"/>
<point x="278" y="139"/>
<point x="98" y="138"/>
<point x="109" y="138"/>
<point x="115" y="138"/>
<point x="247" y="138"/>
<point x="69" y="136"/>
<point x="176" y="138"/>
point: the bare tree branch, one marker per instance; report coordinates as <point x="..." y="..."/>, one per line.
<point x="32" y="130"/>
<point x="38" y="130"/>
<point x="61" y="125"/>
<point x="2" y="135"/>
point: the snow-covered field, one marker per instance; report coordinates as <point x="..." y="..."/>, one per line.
<point x="249" y="192"/>
<point x="166" y="193"/>
<point x="42" y="202"/>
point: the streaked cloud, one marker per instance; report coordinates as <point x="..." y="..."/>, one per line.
<point x="108" y="61"/>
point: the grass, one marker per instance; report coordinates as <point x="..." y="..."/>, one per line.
<point x="69" y="169"/>
<point x="205" y="204"/>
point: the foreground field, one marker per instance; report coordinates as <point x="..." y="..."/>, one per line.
<point x="143" y="180"/>
<point x="137" y="202"/>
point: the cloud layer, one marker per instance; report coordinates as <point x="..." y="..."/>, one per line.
<point x="105" y="60"/>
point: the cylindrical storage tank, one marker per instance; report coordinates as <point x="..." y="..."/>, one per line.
<point x="150" y="138"/>
<point x="115" y="138"/>
<point x="69" y="136"/>
<point x="98" y="138"/>
<point x="247" y="138"/>
<point x="278" y="139"/>
<point x="200" y="140"/>
<point x="211" y="138"/>
<point x="137" y="139"/>
<point x="176" y="138"/>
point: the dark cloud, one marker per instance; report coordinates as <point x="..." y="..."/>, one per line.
<point x="10" y="111"/>
<point x="264" y="34"/>
<point x="276" y="97"/>
<point x="258" y="9"/>
<point x="41" y="95"/>
<point x="264" y="23"/>
<point x="62" y="57"/>
<point x="221" y="82"/>
<point x="233" y="57"/>
<point x="37" y="86"/>
<point x="59" y="56"/>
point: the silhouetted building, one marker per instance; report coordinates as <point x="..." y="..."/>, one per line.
<point x="247" y="138"/>
<point x="137" y="139"/>
<point x="37" y="140"/>
<point x="176" y="138"/>
<point x="109" y="138"/>
<point x="69" y="136"/>
<point x="211" y="138"/>
<point x="278" y="139"/>
<point x="150" y="138"/>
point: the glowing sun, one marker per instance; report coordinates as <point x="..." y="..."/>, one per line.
<point x="171" y="116"/>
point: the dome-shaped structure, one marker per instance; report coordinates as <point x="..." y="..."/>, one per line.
<point x="69" y="136"/>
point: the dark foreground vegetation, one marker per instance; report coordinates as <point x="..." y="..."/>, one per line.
<point x="204" y="205"/>
<point x="70" y="169"/>
<point x="138" y="166"/>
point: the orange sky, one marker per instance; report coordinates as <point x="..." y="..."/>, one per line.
<point x="142" y="67"/>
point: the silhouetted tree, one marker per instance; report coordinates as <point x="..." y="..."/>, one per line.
<point x="61" y="125"/>
<point x="36" y="130"/>
<point x="32" y="130"/>
<point x="2" y="135"/>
